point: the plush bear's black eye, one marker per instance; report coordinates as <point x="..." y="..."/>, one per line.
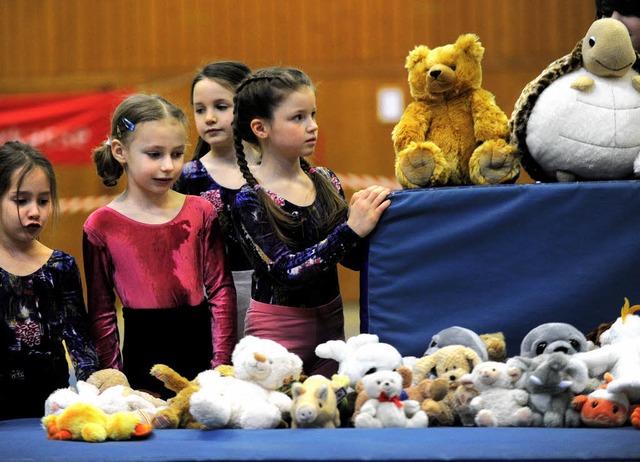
<point x="541" y="347"/>
<point x="594" y="404"/>
<point x="453" y="68"/>
<point x="592" y="42"/>
<point x="615" y="409"/>
<point x="320" y="405"/>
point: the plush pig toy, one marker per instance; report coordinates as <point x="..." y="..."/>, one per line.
<point x="315" y="402"/>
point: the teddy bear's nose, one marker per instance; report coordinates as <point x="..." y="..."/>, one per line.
<point x="435" y="73"/>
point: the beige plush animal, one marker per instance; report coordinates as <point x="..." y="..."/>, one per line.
<point x="315" y="404"/>
<point x="450" y="363"/>
<point x="499" y="403"/>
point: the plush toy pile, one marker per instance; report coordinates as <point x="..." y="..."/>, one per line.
<point x="559" y="380"/>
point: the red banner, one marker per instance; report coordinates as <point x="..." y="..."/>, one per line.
<point x="65" y="127"/>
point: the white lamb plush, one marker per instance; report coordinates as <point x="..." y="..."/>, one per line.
<point x="499" y="404"/>
<point x="251" y="399"/>
<point x="386" y="409"/>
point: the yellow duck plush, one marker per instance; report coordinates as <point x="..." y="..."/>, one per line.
<point x="86" y="422"/>
<point x="453" y="133"/>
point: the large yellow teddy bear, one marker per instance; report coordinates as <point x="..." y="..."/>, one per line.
<point x="453" y="133"/>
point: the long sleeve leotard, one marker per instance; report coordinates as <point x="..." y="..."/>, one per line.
<point x="156" y="266"/>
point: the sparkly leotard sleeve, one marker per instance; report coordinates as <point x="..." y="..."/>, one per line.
<point x="301" y="275"/>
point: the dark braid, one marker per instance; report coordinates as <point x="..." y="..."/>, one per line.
<point x="257" y="97"/>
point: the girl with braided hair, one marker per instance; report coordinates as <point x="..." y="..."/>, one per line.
<point x="293" y="219"/>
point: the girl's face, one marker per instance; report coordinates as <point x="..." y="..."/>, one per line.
<point x="154" y="157"/>
<point x="293" y="129"/>
<point x="213" y="113"/>
<point x="24" y="213"/>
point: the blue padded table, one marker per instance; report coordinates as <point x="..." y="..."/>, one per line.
<point x="501" y="258"/>
<point x="25" y="440"/>
<point x="498" y="258"/>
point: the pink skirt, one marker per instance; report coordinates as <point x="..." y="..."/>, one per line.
<point x="299" y="330"/>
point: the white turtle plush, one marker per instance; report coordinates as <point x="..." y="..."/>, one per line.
<point x="579" y="119"/>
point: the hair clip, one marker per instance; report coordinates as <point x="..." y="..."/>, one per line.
<point x="128" y="124"/>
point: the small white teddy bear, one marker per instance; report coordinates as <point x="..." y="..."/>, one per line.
<point x="499" y="403"/>
<point x="387" y="410"/>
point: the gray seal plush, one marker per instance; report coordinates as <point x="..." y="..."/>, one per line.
<point x="457" y="335"/>
<point x="554" y="337"/>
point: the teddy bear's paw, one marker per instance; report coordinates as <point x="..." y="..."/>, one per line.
<point x="494" y="162"/>
<point x="260" y="416"/>
<point x="485" y="418"/>
<point x="367" y="421"/>
<point x="437" y="412"/>
<point x="420" y="165"/>
<point x="418" y="420"/>
<point x="411" y="407"/>
<point x="209" y="411"/>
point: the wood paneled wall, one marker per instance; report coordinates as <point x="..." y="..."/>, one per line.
<point x="350" y="48"/>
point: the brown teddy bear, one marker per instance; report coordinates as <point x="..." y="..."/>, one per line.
<point x="453" y="133"/>
<point x="449" y="363"/>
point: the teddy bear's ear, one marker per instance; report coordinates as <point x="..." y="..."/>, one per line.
<point x="416" y="55"/>
<point x="470" y="44"/>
